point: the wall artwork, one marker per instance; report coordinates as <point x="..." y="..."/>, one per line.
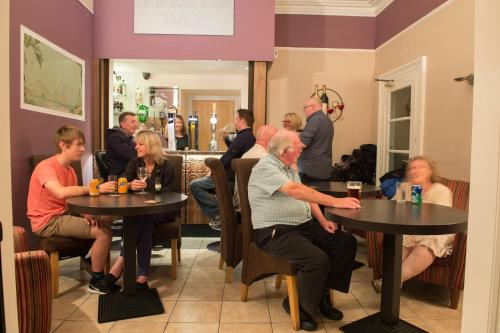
<point x="52" y="79"/>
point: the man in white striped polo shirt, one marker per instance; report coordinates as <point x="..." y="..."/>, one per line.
<point x="288" y="223"/>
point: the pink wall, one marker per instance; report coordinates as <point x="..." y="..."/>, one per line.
<point x="319" y="31"/>
<point x="253" y="38"/>
<point x="69" y="25"/>
<point x="350" y="32"/>
<point x="399" y="15"/>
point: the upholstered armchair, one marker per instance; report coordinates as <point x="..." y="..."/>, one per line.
<point x="447" y="271"/>
<point x="33" y="282"/>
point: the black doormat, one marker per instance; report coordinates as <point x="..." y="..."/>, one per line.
<point x="119" y="306"/>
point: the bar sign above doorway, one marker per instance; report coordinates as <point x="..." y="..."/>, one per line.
<point x="184" y="17"/>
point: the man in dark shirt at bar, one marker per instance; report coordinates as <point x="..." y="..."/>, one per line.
<point x="120" y="143"/>
<point x="315" y="162"/>
<point x="202" y="189"/>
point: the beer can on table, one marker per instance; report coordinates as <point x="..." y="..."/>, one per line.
<point x="122" y="185"/>
<point x="94" y="187"/>
<point x="416" y="194"/>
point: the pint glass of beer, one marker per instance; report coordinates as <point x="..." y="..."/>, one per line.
<point x="354" y="189"/>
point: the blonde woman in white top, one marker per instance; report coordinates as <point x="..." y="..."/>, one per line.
<point x="420" y="251"/>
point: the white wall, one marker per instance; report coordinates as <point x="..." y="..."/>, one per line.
<point x="480" y="311"/>
<point x="8" y="275"/>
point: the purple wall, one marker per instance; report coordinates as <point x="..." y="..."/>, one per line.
<point x="347" y="32"/>
<point x="69" y="25"/>
<point x="253" y="39"/>
<point x="399" y="15"/>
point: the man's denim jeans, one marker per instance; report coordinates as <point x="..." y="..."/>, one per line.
<point x="202" y="192"/>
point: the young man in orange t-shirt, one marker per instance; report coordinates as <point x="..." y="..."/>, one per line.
<point x="54" y="180"/>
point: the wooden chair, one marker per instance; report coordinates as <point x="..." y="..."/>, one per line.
<point x="448" y="271"/>
<point x="60" y="248"/>
<point x="231" y="237"/>
<point x="171" y="229"/>
<point x="33" y="286"/>
<point x="257" y="264"/>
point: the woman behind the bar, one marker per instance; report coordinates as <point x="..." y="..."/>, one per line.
<point x="181" y="137"/>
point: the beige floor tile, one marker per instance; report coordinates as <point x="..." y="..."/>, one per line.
<point x="245" y="328"/>
<point x="287" y="328"/>
<point x="272" y="292"/>
<point x="133" y="327"/>
<point x="86" y="311"/>
<point x="191" y="242"/>
<point x="168" y="290"/>
<point x="363" y="290"/>
<point x="196" y="312"/>
<point x="87" y="326"/>
<point x="65" y="305"/>
<point x="188" y="256"/>
<point x="208" y="276"/>
<point x="421" y="324"/>
<point x="428" y="309"/>
<point x="334" y="327"/>
<point x="351" y="309"/>
<point x="372" y="306"/>
<point x="202" y="292"/>
<point x="191" y="328"/>
<point x="362" y="274"/>
<point x="339" y="295"/>
<point x="245" y="312"/>
<point x="256" y="291"/>
<point x="55" y="323"/>
<point x="207" y="259"/>
<point x="168" y="306"/>
<point x="208" y="240"/>
<point x="443" y="326"/>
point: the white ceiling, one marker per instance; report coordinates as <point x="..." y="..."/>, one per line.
<point x="181" y="67"/>
<point x="369" y="8"/>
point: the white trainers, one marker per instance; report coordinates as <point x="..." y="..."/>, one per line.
<point x="377" y="285"/>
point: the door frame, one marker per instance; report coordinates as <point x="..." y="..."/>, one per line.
<point x="410" y="74"/>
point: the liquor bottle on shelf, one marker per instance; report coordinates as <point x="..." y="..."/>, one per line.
<point x="193" y="131"/>
<point x="324" y="100"/>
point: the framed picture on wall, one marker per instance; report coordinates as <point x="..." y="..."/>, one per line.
<point x="52" y="79"/>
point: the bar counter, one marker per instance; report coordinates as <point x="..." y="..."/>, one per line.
<point x="193" y="167"/>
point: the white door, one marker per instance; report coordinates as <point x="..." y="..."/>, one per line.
<point x="400" y="115"/>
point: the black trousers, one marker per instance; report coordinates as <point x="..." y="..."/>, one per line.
<point x="322" y="260"/>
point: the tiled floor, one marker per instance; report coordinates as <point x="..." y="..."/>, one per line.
<point x="199" y="301"/>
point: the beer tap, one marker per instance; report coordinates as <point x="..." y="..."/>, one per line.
<point x="213" y="146"/>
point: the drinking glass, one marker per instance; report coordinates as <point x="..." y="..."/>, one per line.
<point x="400" y="192"/>
<point x="354" y="189"/>
<point x="142" y="174"/>
<point x="114" y="179"/>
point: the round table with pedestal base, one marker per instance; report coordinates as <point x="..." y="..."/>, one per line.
<point x="128" y="303"/>
<point x="395" y="219"/>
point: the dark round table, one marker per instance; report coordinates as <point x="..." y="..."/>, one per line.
<point x="339" y="189"/>
<point x="395" y="219"/>
<point x="129" y="303"/>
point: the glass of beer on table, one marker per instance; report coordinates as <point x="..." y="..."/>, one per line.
<point x="354" y="189"/>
